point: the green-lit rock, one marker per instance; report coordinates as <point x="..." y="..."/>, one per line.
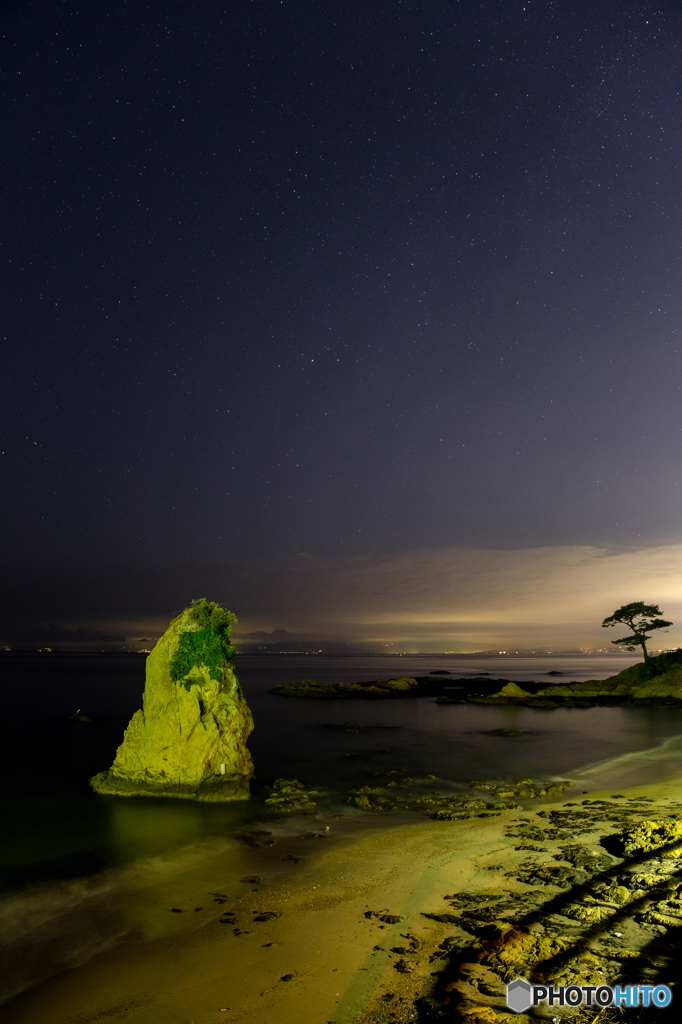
<point x="650" y="835"/>
<point x="289" y="795"/>
<point x="511" y="693"/>
<point x="373" y="688"/>
<point x="306" y="688"/>
<point x="514" y="692"/>
<point x="189" y="739"/>
<point x="525" y="789"/>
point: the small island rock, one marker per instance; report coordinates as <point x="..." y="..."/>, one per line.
<point x="189" y="739"/>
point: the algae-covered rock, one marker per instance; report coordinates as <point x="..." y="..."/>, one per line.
<point x="306" y="688"/>
<point x="516" y="951"/>
<point x="463" y="809"/>
<point x="404" y="683"/>
<point x="370" y="798"/>
<point x="658" y="682"/>
<point x="451" y="815"/>
<point x="585" y="912"/>
<point x="513" y="690"/>
<point x="511" y="693"/>
<point x="373" y="688"/>
<point x="372" y="803"/>
<point x="584" y="858"/>
<point x="665" y="684"/>
<point x="378" y="687"/>
<point x="189" y="739"/>
<point x="616" y="894"/>
<point x="289" y="795"/>
<point x="525" y="789"/>
<point x="648" y="836"/>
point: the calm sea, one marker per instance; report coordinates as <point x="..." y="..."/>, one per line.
<point x="79" y="873"/>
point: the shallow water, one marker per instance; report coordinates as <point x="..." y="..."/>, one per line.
<point x="81" y="872"/>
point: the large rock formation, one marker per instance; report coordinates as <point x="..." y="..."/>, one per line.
<point x="189" y="739"/>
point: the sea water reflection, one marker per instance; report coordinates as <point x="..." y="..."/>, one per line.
<point x="451" y="741"/>
<point x="54" y="825"/>
<point x="82" y="872"/>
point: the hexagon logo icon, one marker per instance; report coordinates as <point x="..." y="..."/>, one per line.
<point x="519" y="995"/>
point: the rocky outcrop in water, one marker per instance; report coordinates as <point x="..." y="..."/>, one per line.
<point x="658" y="684"/>
<point x="189" y="739"/>
<point x="373" y="688"/>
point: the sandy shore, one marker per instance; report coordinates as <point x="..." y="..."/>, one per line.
<point x="329" y="955"/>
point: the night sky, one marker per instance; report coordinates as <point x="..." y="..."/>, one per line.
<point x="347" y="314"/>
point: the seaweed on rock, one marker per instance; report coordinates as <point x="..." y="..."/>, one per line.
<point x="206" y="643"/>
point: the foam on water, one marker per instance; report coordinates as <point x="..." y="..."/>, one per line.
<point x="634" y="768"/>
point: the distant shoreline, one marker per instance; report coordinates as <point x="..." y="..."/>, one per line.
<point x="352" y="654"/>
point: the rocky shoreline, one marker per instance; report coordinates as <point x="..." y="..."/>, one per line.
<point x="395" y="790"/>
<point x="423" y="922"/>
<point x="587" y="892"/>
<point x="590" y="893"/>
<point x="656" y="684"/>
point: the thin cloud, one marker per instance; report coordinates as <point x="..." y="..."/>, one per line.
<point x="431" y="599"/>
<point x="526" y="596"/>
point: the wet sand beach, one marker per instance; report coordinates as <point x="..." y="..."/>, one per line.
<point x="345" y="936"/>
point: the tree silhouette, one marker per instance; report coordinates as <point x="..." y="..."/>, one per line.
<point x="639" y="617"/>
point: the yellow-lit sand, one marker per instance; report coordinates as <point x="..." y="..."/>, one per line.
<point x="322" y="937"/>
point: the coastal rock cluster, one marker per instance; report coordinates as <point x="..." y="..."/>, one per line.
<point x="406" y="794"/>
<point x="289" y="795"/>
<point x="189" y="738"/>
<point x="523" y="789"/>
<point x="373" y="688"/>
<point x="656" y="684"/>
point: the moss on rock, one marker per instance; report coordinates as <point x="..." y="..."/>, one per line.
<point x="207" y="643"/>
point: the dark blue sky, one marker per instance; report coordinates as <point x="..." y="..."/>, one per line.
<point x="343" y="278"/>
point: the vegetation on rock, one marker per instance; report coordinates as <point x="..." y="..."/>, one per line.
<point x="208" y="643"/>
